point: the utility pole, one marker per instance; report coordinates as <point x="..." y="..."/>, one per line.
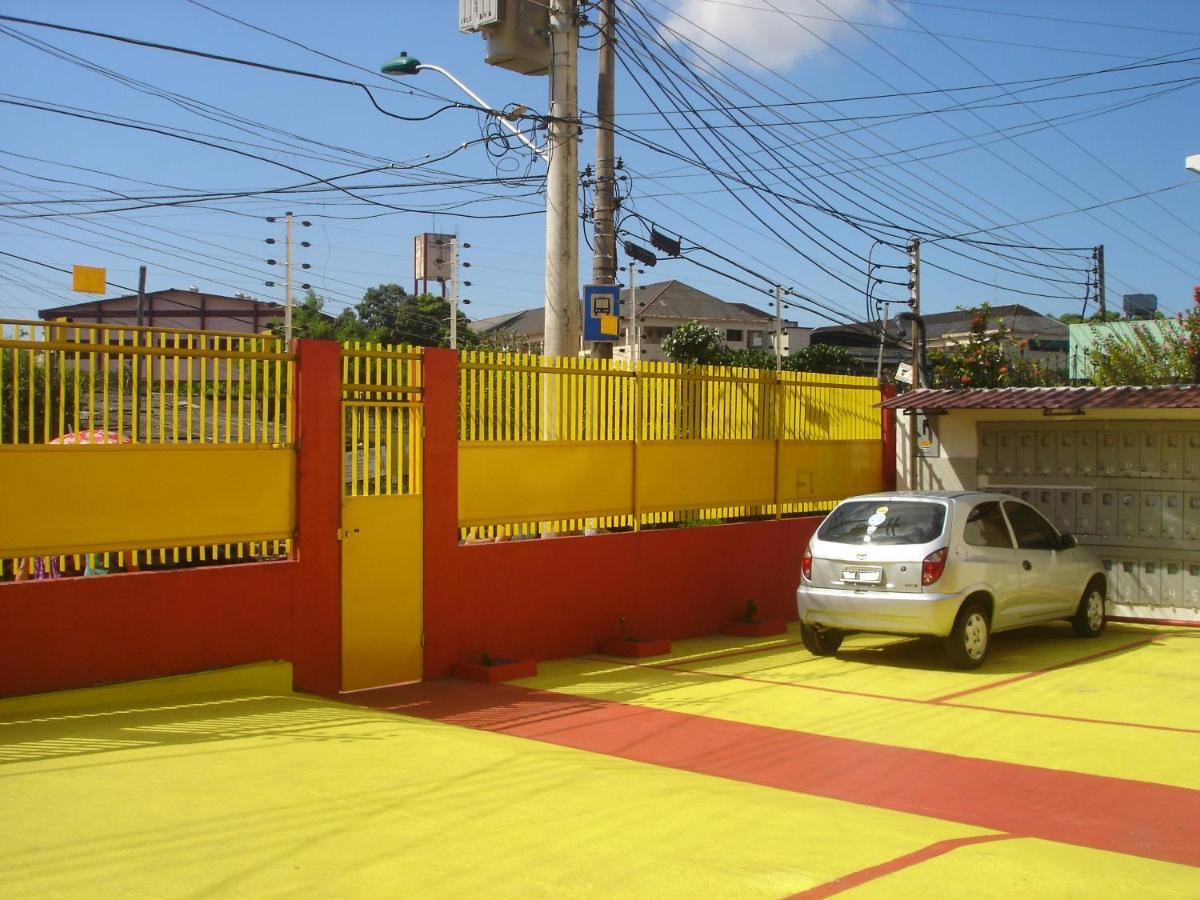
<point x="141" y="303"/>
<point x="604" y="257"/>
<point x="137" y="388"/>
<point x="562" y="205"/>
<point x="914" y="299"/>
<point x="778" y="328"/>
<point x="454" y="293"/>
<point x="882" y="335"/>
<point x="635" y="333"/>
<point x="1099" y="254"/>
<point x="287" y="279"/>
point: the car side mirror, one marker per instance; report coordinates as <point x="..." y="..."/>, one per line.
<point x="1066" y="541"/>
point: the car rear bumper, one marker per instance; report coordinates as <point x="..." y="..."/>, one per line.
<point x="888" y="612"/>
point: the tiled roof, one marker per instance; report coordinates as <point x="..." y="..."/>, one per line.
<point x="1175" y="396"/>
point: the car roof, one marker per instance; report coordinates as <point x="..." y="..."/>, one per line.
<point x="957" y="496"/>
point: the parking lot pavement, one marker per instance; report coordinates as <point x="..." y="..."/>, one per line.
<point x="731" y="768"/>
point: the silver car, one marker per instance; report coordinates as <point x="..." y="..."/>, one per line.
<point x="956" y="565"/>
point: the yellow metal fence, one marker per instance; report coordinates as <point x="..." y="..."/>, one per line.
<point x="382" y="396"/>
<point x="91" y="391"/>
<point x="570" y="445"/>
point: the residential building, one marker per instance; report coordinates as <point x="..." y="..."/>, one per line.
<point x="174" y="308"/>
<point x="1041" y="338"/>
<point x="662" y="306"/>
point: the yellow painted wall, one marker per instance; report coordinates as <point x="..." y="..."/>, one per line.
<point x="65" y="499"/>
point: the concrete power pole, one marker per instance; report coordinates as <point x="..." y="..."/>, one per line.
<point x="287" y="278"/>
<point x="604" y="257"/>
<point x="1100" y="281"/>
<point x="914" y="296"/>
<point x="562" y="204"/>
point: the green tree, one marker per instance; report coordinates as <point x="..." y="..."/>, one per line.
<point x="396" y="317"/>
<point x="694" y="344"/>
<point x="990" y="357"/>
<point x="309" y="320"/>
<point x="1167" y="353"/>
<point x="827" y="358"/>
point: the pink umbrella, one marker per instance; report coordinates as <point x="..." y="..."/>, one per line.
<point x="92" y="436"/>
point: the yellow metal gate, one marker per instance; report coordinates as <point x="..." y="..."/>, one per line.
<point x="381" y="515"/>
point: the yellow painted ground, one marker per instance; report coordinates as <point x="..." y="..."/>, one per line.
<point x="233" y="787"/>
<point x="1031" y="868"/>
<point x="251" y="795"/>
<point x="822" y="698"/>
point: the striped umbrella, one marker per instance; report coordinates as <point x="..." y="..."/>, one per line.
<point x="92" y="436"/>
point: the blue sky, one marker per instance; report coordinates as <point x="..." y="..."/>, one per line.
<point x="1024" y="151"/>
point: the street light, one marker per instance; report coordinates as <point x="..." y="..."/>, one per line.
<point x="1193" y="163"/>
<point x="410" y="65"/>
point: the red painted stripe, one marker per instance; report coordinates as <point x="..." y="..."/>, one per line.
<point x="862" y="876"/>
<point x="1177" y="729"/>
<point x="1152" y="820"/>
<point x="1036" y="672"/>
<point x="1175" y="623"/>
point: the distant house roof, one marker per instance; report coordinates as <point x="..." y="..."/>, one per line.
<point x="1020" y="320"/>
<point x="661" y="300"/>
<point x="527" y="322"/>
<point x="1017" y="318"/>
<point x="94" y="308"/>
<point x="1178" y="396"/>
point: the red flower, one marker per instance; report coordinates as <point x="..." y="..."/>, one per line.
<point x="966" y="379"/>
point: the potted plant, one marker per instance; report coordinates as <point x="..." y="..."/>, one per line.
<point x="749" y="625"/>
<point x="625" y="644"/>
<point x="492" y="669"/>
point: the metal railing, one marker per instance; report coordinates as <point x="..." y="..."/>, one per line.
<point x="514" y="398"/>
<point x="82" y="386"/>
<point x="382" y="399"/>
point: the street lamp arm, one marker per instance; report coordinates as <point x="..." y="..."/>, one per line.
<point x="540" y="151"/>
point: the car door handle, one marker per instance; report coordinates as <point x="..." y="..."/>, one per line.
<point x="1026" y="565"/>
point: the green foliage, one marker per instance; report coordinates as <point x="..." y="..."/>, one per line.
<point x="988" y="358"/>
<point x="53" y="389"/>
<point x="1144" y="355"/>
<point x="387" y="315"/>
<point x="694" y="344"/>
<point x="396" y="317"/>
<point x="827" y="358"/>
<point x="749" y="359"/>
<point x="1077" y="319"/>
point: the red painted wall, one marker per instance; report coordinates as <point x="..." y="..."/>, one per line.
<point x="541" y="599"/>
<point x="544" y="599"/>
<point x="74" y="632"/>
<point x="551" y="598"/>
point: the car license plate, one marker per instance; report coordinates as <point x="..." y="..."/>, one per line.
<point x="862" y="576"/>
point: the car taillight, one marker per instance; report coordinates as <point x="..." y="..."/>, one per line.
<point x="933" y="566"/>
<point x="806" y="563"/>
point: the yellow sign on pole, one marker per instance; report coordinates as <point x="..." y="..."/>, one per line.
<point x="88" y="279"/>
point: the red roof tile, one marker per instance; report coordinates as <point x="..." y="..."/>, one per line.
<point x="1176" y="396"/>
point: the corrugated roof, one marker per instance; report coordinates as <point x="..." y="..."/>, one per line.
<point x="1174" y="396"/>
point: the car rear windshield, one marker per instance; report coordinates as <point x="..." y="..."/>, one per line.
<point x="884" y="522"/>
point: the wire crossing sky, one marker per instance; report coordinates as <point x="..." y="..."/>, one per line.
<point x="787" y="142"/>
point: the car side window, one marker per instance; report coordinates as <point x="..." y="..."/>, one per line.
<point x="1031" y="528"/>
<point x="985" y="527"/>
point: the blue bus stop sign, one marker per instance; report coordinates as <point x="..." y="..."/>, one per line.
<point x="601" y="312"/>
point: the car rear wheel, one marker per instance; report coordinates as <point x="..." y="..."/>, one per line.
<point x="968" y="643"/>
<point x="820" y="641"/>
<point x="1089" y="618"/>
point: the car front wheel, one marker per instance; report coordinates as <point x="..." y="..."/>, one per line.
<point x="1089" y="619"/>
<point x="967" y="645"/>
<point x="820" y="641"/>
